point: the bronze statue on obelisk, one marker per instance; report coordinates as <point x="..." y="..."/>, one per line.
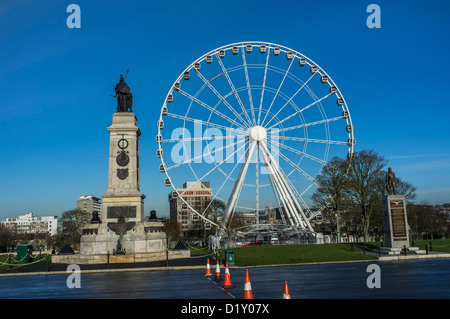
<point x="390" y="182"/>
<point x="123" y="94"/>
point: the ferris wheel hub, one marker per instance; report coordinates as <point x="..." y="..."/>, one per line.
<point x="258" y="133"/>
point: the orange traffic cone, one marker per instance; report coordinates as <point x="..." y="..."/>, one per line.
<point x="248" y="294"/>
<point x="208" y="269"/>
<point x="286" y="294"/>
<point x="227" y="281"/>
<point x="217" y="276"/>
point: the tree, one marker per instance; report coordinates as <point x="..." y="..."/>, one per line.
<point x="426" y="222"/>
<point x="406" y="189"/>
<point x="332" y="186"/>
<point x="364" y="182"/>
<point x="73" y="222"/>
<point x="42" y="241"/>
<point x="232" y="227"/>
<point x="217" y="208"/>
<point x="173" y="230"/>
<point x="356" y="193"/>
<point x="7" y="239"/>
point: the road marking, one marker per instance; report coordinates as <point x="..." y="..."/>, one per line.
<point x="229" y="293"/>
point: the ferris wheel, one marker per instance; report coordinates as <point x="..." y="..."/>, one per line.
<point x="258" y="121"/>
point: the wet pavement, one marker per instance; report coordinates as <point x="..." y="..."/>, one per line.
<point x="43" y="266"/>
<point x="409" y="279"/>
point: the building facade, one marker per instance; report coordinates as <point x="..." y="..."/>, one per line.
<point x="89" y="204"/>
<point x="30" y="224"/>
<point x="197" y="195"/>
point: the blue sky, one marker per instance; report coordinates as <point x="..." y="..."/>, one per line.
<point x="57" y="84"/>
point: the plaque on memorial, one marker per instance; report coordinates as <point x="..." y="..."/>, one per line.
<point x="395" y="221"/>
<point x="398" y="224"/>
<point x="121" y="211"/>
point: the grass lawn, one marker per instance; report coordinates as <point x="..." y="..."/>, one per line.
<point x="4" y="261"/>
<point x="440" y="245"/>
<point x="199" y="250"/>
<point x="297" y="254"/>
<point x="294" y="254"/>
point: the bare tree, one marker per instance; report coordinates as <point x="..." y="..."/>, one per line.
<point x="173" y="230"/>
<point x="357" y="193"/>
<point x="364" y="184"/>
<point x="425" y="221"/>
<point x="332" y="188"/>
<point x="234" y="223"/>
<point x="8" y="239"/>
<point x="72" y="222"/>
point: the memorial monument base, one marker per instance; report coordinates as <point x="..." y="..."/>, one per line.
<point x="396" y="233"/>
<point x="144" y="237"/>
<point x="396" y="229"/>
<point x="400" y="251"/>
<point x="119" y="259"/>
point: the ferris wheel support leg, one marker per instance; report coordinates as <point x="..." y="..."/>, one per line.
<point x="285" y="186"/>
<point x="277" y="183"/>
<point x="232" y="201"/>
<point x="297" y="212"/>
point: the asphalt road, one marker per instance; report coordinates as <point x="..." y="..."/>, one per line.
<point x="409" y="279"/>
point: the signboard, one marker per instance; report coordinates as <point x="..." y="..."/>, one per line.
<point x="398" y="223"/>
<point x="121" y="211"/>
<point x="396" y="231"/>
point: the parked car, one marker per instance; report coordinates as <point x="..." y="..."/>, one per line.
<point x="252" y="244"/>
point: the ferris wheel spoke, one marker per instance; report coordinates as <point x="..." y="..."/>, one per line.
<point x="290" y="99"/>
<point x="204" y="138"/>
<point x="291" y="205"/>
<point x="264" y="84"/>
<point x="224" y="182"/>
<point x="284" y="129"/>
<point x="248" y="86"/>
<point x="234" y="197"/>
<point x="204" y="176"/>
<point x="294" y="165"/>
<point x="217" y="166"/>
<point x="300" y="197"/>
<point x="299" y="111"/>
<point x="311" y="140"/>
<point x="206" y="106"/>
<point x="201" y="156"/>
<point x="279" y="195"/>
<point x="318" y="160"/>
<point x="190" y="119"/>
<point x="278" y="90"/>
<point x="225" y="102"/>
<point x="224" y="70"/>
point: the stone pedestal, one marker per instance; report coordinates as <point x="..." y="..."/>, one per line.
<point x="396" y="234"/>
<point x="396" y="229"/>
<point x="146" y="237"/>
<point x="123" y="197"/>
<point x="122" y="229"/>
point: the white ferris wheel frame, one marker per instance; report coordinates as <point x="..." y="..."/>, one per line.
<point x="286" y="195"/>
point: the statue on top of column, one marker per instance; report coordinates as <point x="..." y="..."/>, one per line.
<point x="124" y="96"/>
<point x="390" y="182"/>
